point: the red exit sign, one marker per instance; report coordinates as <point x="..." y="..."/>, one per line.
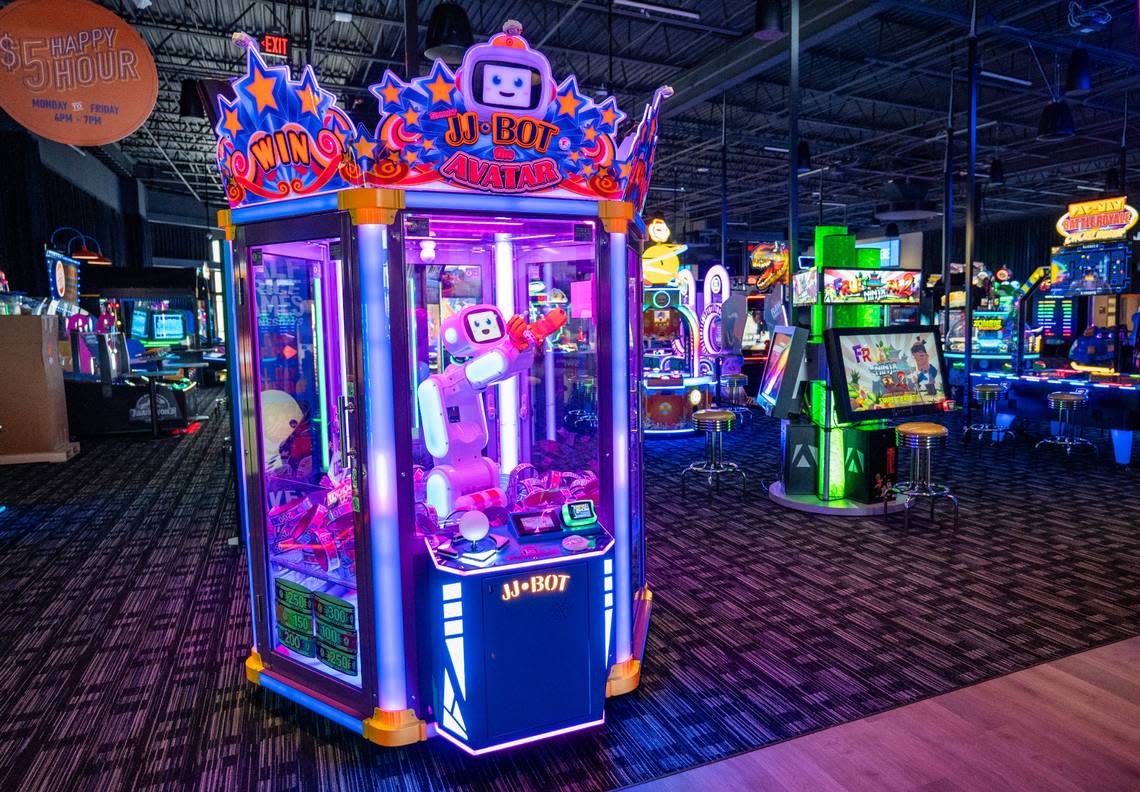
<point x="275" y="45"/>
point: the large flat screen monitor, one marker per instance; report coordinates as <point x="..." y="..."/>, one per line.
<point x="779" y="386"/>
<point x="865" y="286"/>
<point x="169" y="326"/>
<point x="886" y="372"/>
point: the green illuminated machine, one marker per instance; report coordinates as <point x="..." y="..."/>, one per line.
<point x="830" y="466"/>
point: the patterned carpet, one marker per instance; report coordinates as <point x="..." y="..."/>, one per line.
<point x="125" y="621"/>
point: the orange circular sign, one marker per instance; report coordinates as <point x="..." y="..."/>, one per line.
<point x="73" y="72"/>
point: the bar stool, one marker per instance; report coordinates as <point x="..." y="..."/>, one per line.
<point x="988" y="395"/>
<point x="921" y="437"/>
<point x="736" y="399"/>
<point x="1068" y="404"/>
<point x="715" y="424"/>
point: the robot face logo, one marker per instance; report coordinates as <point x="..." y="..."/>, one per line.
<point x="484" y="327"/>
<point x="506" y="86"/>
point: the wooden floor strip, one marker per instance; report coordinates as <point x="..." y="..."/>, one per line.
<point x="1072" y="724"/>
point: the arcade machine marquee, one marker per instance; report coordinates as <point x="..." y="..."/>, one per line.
<point x="441" y="453"/>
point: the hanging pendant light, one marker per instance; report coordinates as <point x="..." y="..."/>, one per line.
<point x="1112" y="181"/>
<point x="189" y="102"/>
<point x="1056" y="122"/>
<point x="448" y="33"/>
<point x="803" y="155"/>
<point x="997" y="173"/>
<point x="1078" y="77"/>
<point x="769" y="20"/>
<point x="84" y="253"/>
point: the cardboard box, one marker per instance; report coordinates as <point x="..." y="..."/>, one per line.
<point x="33" y="409"/>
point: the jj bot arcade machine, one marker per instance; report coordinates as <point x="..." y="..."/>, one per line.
<point x="435" y="373"/>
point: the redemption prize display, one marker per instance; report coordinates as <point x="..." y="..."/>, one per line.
<point x="433" y="360"/>
<point x="838" y="454"/>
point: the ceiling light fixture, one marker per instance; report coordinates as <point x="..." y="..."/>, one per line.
<point x="1056" y="122"/>
<point x="448" y="33"/>
<point x="342" y="16"/>
<point x="769" y="20"/>
<point x="776" y="149"/>
<point x="1078" y="75"/>
<point x="1006" y="78"/>
<point x="997" y="173"/>
<point x="657" y="9"/>
<point x="803" y="155"/>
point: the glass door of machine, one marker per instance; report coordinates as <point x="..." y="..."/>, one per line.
<point x="310" y="522"/>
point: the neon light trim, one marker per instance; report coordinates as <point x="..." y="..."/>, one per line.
<point x="522" y="741"/>
<point x="619" y="394"/>
<point x="381" y="444"/>
<point x="494" y="570"/>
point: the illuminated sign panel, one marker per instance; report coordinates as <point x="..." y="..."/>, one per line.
<point x="552" y="583"/>
<point x="499" y="124"/>
<point x="277" y="46"/>
<point x="1097" y="220"/>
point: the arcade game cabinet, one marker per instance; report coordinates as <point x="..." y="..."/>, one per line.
<point x="1085" y="278"/>
<point x="838" y="456"/>
<point x="433" y="386"/>
<point x="672" y="386"/>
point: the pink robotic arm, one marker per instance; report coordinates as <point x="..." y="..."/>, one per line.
<point x="451" y="403"/>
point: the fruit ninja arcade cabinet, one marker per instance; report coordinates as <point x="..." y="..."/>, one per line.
<point x="436" y="396"/>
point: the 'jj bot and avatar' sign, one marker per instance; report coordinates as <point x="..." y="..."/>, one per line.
<point x="497" y="124"/>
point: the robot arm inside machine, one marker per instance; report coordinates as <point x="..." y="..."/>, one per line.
<point x="451" y="402"/>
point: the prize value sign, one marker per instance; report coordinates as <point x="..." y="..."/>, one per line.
<point x="73" y="72"/>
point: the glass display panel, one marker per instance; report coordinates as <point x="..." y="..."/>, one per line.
<point x="503" y="363"/>
<point x="310" y="524"/>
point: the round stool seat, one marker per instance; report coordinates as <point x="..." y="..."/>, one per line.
<point x="921" y="434"/>
<point x="736" y="379"/>
<point x="987" y="392"/>
<point x="1066" y="400"/>
<point x="714" y="420"/>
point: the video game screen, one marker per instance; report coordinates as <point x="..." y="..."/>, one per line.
<point x="138" y="323"/>
<point x="887" y="371"/>
<point x="661" y="325"/>
<point x="805" y="287"/>
<point x="169" y="326"/>
<point x="1090" y="269"/>
<point x="857" y="286"/>
<point x="777" y="394"/>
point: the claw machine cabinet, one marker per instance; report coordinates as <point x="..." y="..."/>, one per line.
<point x="434" y="372"/>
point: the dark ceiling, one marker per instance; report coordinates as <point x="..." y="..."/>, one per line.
<point x="875" y="78"/>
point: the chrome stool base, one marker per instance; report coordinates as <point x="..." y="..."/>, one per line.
<point x="921" y="438"/>
<point x="715" y="424"/>
<point x="1068" y="405"/>
<point x="1069" y="443"/>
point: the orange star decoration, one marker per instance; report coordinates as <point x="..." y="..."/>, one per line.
<point x="262" y="90"/>
<point x="391" y="92"/>
<point x="591" y="133"/>
<point x="427" y="145"/>
<point x="394" y="157"/>
<point x="364" y="148"/>
<point x="567" y="103"/>
<point x="411" y="117"/>
<point x="624" y="170"/>
<point x="587" y="169"/>
<point x="410" y="156"/>
<point x="232" y="123"/>
<point x="440" y="89"/>
<point x="309" y="101"/>
<point x="609" y="116"/>
<point x="573" y="156"/>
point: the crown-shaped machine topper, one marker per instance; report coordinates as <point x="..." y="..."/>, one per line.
<point x="498" y="124"/>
